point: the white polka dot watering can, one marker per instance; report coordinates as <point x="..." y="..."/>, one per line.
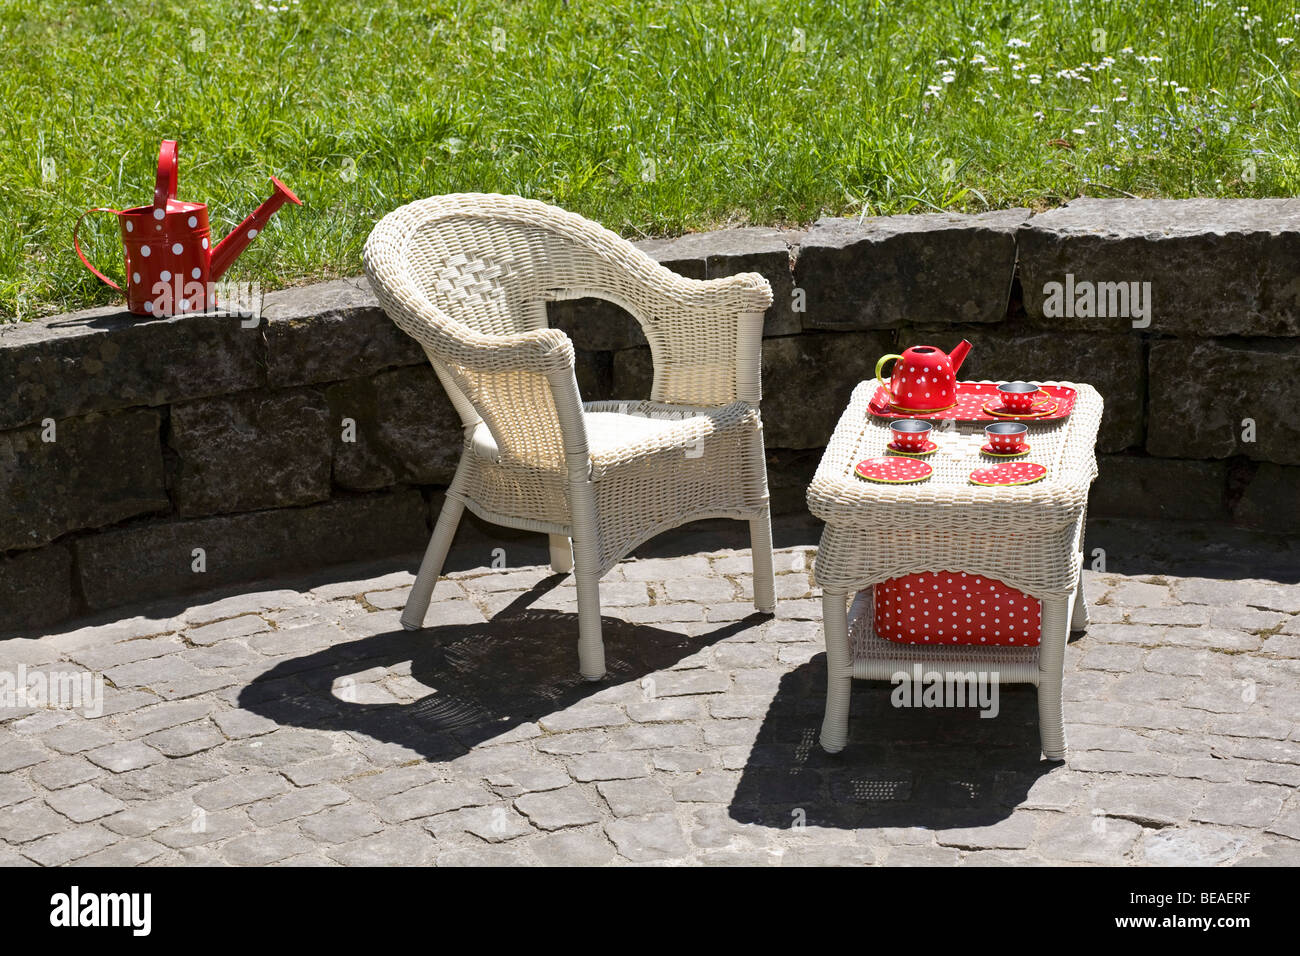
<point x="170" y="261"/>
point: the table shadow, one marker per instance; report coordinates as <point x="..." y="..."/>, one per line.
<point x="903" y="767"/>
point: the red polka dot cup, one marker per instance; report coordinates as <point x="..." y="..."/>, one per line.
<point x="1006" y="438"/>
<point x="909" y="434"/>
<point x="1018" y="397"/>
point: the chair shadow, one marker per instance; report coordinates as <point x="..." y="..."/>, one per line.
<point x="484" y="679"/>
<point x="903" y="767"/>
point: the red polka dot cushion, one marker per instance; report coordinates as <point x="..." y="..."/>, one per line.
<point x="951" y="607"/>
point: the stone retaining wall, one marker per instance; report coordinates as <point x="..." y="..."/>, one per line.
<point x="179" y="434"/>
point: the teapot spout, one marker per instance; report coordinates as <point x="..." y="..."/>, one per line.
<point x="224" y="255"/>
<point x="958" y="355"/>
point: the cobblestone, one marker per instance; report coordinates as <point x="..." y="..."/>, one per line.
<point x="396" y="846"/>
<point x="64" y="772"/>
<point x="185" y="740"/>
<point x="232" y="738"/>
<point x="84" y="803"/>
<point x="124" y="756"/>
<point x="238" y="790"/>
<point x="646" y="839"/>
<point x="557" y="809"/>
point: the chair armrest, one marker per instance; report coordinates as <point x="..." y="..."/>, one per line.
<point x="522" y="387"/>
<point x="705" y="335"/>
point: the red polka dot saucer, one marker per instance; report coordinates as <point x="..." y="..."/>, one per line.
<point x="1041" y="409"/>
<point x="893" y="470"/>
<point x="991" y="452"/>
<point x="1009" y="473"/>
<point x="929" y="448"/>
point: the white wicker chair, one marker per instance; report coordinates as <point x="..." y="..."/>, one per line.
<point x="468" y="276"/>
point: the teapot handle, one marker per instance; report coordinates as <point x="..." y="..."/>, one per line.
<point x="165" y="184"/>
<point x="76" y="244"/>
<point x="879" y="366"/>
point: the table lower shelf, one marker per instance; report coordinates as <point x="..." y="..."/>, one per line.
<point x="875" y="658"/>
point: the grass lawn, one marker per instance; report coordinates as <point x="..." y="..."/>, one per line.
<point x="653" y="117"/>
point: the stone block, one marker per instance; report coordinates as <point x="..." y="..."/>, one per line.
<point x="246" y="452"/>
<point x="406" y="430"/>
<point x="103" y="359"/>
<point x="885" y="271"/>
<point x="807" y="380"/>
<point x="98" y="470"/>
<point x="1130" y="486"/>
<point x="1271" y="499"/>
<point x="156" y="559"/>
<point x="1202" y="392"/>
<point x="1215" y="266"/>
<point x="35" y="587"/>
<point x="331" y="331"/>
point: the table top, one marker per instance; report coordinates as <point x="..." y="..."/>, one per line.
<point x="1064" y="447"/>
<point x="1027" y="536"/>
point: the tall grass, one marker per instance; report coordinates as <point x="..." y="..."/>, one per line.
<point x="653" y="117"/>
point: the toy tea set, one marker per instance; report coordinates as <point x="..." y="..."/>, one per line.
<point x="960" y="608"/>
<point x="923" y="387"/>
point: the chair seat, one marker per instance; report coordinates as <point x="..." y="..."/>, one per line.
<point x="619" y="432"/>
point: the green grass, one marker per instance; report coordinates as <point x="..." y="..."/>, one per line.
<point x="887" y="108"/>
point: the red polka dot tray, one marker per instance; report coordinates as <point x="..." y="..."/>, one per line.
<point x="949" y="607"/>
<point x="972" y="397"/>
<point x="893" y="470"/>
<point x="1008" y="473"/>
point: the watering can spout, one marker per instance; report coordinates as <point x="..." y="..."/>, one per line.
<point x="229" y="249"/>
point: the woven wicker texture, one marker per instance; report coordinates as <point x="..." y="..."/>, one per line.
<point x="1024" y="536"/>
<point x="1029" y="537"/>
<point x="468" y="276"/>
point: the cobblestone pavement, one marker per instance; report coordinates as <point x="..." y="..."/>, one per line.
<point x="302" y="725"/>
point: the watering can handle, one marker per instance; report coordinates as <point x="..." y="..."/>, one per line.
<point x="77" y="244"/>
<point x="168" y="161"/>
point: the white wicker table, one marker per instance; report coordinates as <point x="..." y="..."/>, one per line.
<point x="1029" y="537"/>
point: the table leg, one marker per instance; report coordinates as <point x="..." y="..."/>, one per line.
<point x="1079" y="618"/>
<point x="839" y="672"/>
<point x="1051" y="670"/>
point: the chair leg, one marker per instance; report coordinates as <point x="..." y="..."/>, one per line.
<point x="760" y="545"/>
<point x="417" y="605"/>
<point x="561" y="554"/>
<point x="591" y="645"/>
<point x="1051" y="668"/>
<point x="839" y="673"/>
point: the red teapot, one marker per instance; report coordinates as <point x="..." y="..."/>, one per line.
<point x="924" y="378"/>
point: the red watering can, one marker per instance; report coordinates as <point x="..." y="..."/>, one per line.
<point x="170" y="262"/>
